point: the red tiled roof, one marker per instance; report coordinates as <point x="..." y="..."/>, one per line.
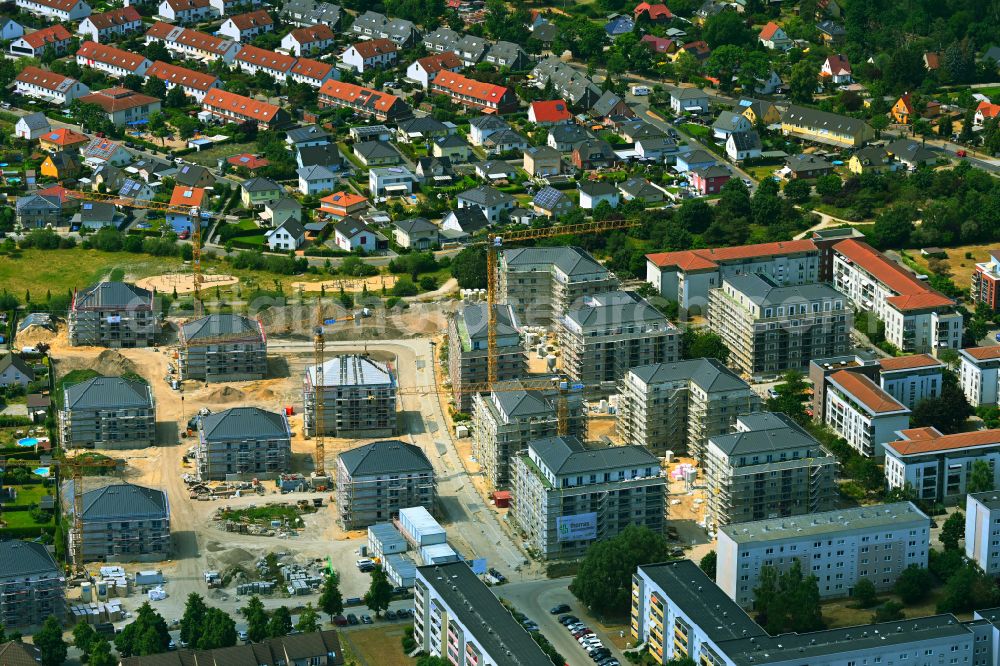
<point x="656" y="12"/>
<point x="312" y="69"/>
<point x="244" y="106"/>
<point x="691" y="260"/>
<point x="435" y="63"/>
<point x="196" y="40"/>
<point x="348" y="92"/>
<point x="248" y="161"/>
<point x="657" y="44"/>
<point x="63" y="137"/>
<point x="866" y="392"/>
<point x="266" y="59"/>
<point x="312" y="33"/>
<point x="49" y="35"/>
<point x="988" y="110"/>
<point x="42" y="77"/>
<point x="62" y="5"/>
<point x="109" y="55"/>
<point x="909" y="362"/>
<point x="342" y="199"/>
<point x="699" y="47"/>
<point x="117" y="99"/>
<point x="187" y="196"/>
<point x="932" y="60"/>
<point x="160" y="30"/>
<point x="907" y="102"/>
<point x="934" y="442"/>
<point x="463" y="85"/>
<point x="181" y="76"/>
<point x="114" y="17"/>
<point x="912" y="294"/>
<point x="552" y="111"/>
<point x="56" y="191"/>
<point x="182" y="5"/>
<point x="839" y="64"/>
<point x="768" y="31"/>
<point x="374" y="47"/>
<point x="251" y="20"/>
<point x="983" y="353"/>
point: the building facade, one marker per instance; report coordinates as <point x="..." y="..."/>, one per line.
<point x="979" y="374"/>
<point x="910" y="379"/>
<point x="359" y="397"/>
<point x="862" y="413"/>
<point x="124" y="522"/>
<point x="243" y="443"/>
<point x="937" y="467"/>
<point x="113" y="314"/>
<point x="376" y="480"/>
<point x="32" y="586"/>
<point x="503" y="422"/>
<point x="222" y="348"/>
<point x="982" y="530"/>
<point x="108" y="413"/>
<point x="468" y="354"/>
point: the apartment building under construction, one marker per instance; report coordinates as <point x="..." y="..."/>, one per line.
<point x="678" y="406"/>
<point x="468" y="354"/>
<point x="222" y="348"/>
<point x="32" y="586"/>
<point x="376" y="480"/>
<point x="359" y="397"/>
<point x="243" y="443"/>
<point x="123" y="522"/>
<point x="113" y="314"/>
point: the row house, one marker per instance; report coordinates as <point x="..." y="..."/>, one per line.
<point x="55" y="37"/>
<point x="252" y="59"/>
<point x="111" y="24"/>
<point x="48" y="86"/>
<point x="233" y="108"/>
<point x="424" y="70"/>
<point x="824" y="127"/>
<point x="56" y="10"/>
<point x="313" y="72"/>
<point x="372" y="25"/>
<point x="303" y="13"/>
<point x="474" y="94"/>
<point x="469" y="48"/>
<point x="244" y="27"/>
<point x="371" y="53"/>
<point x="194" y="84"/>
<point x="366" y="101"/>
<point x="186" y="12"/>
<point x="309" y="40"/>
<point x="228" y="7"/>
<point x="193" y="44"/>
<point x="110" y="60"/>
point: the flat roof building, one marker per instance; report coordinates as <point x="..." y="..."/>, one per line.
<point x="979" y="374"/>
<point x="359" y="397"/>
<point x="222" y="348"/>
<point x="376" y="480"/>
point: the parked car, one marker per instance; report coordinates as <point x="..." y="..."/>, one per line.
<point x="366" y="619"/>
<point x="243" y="636"/>
<point x="561" y="608"/>
<point x="500" y="578"/>
<point x="566" y="620"/>
<point x="390" y="614"/>
<point x="340" y="621"/>
<point x="352" y="619"/>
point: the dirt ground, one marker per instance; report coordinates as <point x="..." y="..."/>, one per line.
<point x="377" y="646"/>
<point x="183" y="283"/>
<point x="961" y="268"/>
<point x="374" y="283"/>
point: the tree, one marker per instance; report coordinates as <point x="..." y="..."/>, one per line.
<point x="798" y="191"/>
<point x="379" y="592"/>
<point x="947" y="412"/>
<point x="280" y="623"/>
<point x="893" y="228"/>
<point x="952" y="531"/>
<point x="256" y="617"/>
<point x="791" y="394"/>
<point x="219" y="630"/>
<point x="723" y="64"/>
<point x="980" y="478"/>
<point x="864" y="593"/>
<point x="968" y="588"/>
<point x="828" y="186"/>
<point x="708" y="564"/>
<point x="186" y="125"/>
<point x="698" y="344"/>
<point x="787" y="601"/>
<point x="802" y="82"/>
<point x="726" y="28"/>
<point x="155" y="87"/>
<point x="469" y="268"/>
<point x="83" y="637"/>
<point x="603" y="581"/>
<point x="330" y="600"/>
<point x="695" y="215"/>
<point x="193" y="620"/>
<point x="308" y="620"/>
<point x="890" y="611"/>
<point x="100" y="653"/>
<point x="157" y="51"/>
<point x="686" y="67"/>
<point x="146" y="635"/>
<point x="50" y="643"/>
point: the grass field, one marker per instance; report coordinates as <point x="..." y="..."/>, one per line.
<point x="761" y="171"/>
<point x="378" y="646"/>
<point x="839" y="612"/>
<point x="961" y="268"/>
<point x="210" y="156"/>
<point x="697" y="131"/>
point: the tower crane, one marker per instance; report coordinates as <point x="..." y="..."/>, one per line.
<point x="319" y="435"/>
<point x="75" y="465"/>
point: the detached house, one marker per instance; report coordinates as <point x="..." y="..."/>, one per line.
<point x="551" y="202"/>
<point x="729" y="122"/>
<point x="244" y="27"/>
<point x="541" y="161"/>
<point x="551" y="112"/>
<point x="113" y="61"/>
<point x="54" y="37"/>
<point x="289" y="235"/>
<point x="255" y="192"/>
<point x="316" y="179"/>
<point x="373" y="53"/>
<point x="342" y="204"/>
<point x="57" y="10"/>
<point x="186" y="12"/>
<point x="773" y="37"/>
<point x="31" y="126"/>
<point x="984" y="112"/>
<point x="36" y="211"/>
<point x="593" y="154"/>
<point x="902" y="111"/>
<point x="593" y="192"/>
<point x="416" y="233"/>
<point x="48" y="86"/>
<point x="837" y="69"/>
<point x="111" y="24"/>
<point x="352" y="234"/>
<point x="803" y="166"/>
<point x="743" y="146"/>
<point x="490" y="200"/>
<point x="306" y="41"/>
<point x="709" y="180"/>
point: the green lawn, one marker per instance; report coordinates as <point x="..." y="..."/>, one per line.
<point x="22" y="519"/>
<point x="696" y="131"/>
<point x="760" y="172"/>
<point x="210" y="156"/>
<point x="31" y="493"/>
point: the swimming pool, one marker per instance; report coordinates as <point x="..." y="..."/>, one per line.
<point x="41" y="471"/>
<point x="27" y="441"/>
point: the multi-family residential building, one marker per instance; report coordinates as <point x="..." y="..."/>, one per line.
<point x="311" y="12"/>
<point x="359" y="397"/>
<point x="244" y="27"/>
<point x="494" y="203"/>
<point x="37" y="211"/>
<point x="55" y="39"/>
<point x="113" y="314"/>
<point x="982" y="530"/>
<point x="123" y="106"/>
<point x="468" y="354"/>
<point x="839" y="548"/>
<point x="108" y="413"/>
<point x="111" y="24"/>
<point x="313" y="72"/>
<point x="768" y="467"/>
<point x="123" y="522"/>
<point x="232" y="108"/>
<point x="825" y="127"/>
<point x="32" y="587"/>
<point x="979" y="375"/>
<point x="916" y="318"/>
<point x="680" y="613"/>
<point x="486" y="97"/>
<point x="770" y="328"/>
<point x="608" y="333"/>
<point x="318" y="648"/>
<point x="187" y="43"/>
<point x="542" y="284"/>
<point x="48" y="86"/>
<point x="372" y="25"/>
<point x="194" y="84"/>
<point x="568" y="82"/>
<point x="56" y="10"/>
<point x="936" y="466"/>
<point x="910" y="379"/>
<point x="862" y="362"/>
<point x="244" y="443"/>
<point x="366" y="101"/>
<point x="110" y="60"/>
<point x="678" y="406"/>
<point x="456" y="617"/>
<point x="862" y="413"/>
<point x="985" y="287"/>
<point x="222" y="348"/>
<point x="686" y="276"/>
<point x="376" y="480"/>
<point x="567" y="496"/>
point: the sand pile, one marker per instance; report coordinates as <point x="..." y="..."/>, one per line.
<point x="225" y="395"/>
<point x="235" y="557"/>
<point x="33" y="335"/>
<point x="332" y="287"/>
<point x="183" y="283"/>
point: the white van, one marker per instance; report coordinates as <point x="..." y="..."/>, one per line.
<point x="640" y="91"/>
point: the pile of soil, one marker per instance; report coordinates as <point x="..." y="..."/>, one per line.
<point x="225" y="395"/>
<point x="235" y="557"/>
<point x="111" y="363"/>
<point x="33" y="335"/>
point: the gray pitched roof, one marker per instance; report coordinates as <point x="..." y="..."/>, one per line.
<point x="872" y="156"/>
<point x="596" y="188"/>
<point x="688" y="93"/>
<point x="244" y="423"/>
<point x="33" y="202"/>
<point x="114" y="295"/>
<point x="548" y="198"/>
<point x="108" y="392"/>
<point x="486" y="122"/>
<point x="505" y="137"/>
<point x="506" y="51"/>
<point x="762" y="291"/>
<point x="415" y="224"/>
<point x="421" y="124"/>
<point x="474" y="316"/>
<point x="349" y="227"/>
<point x="260" y="185"/>
<point x="728" y="121"/>
<point x="570" y="260"/>
<point x="567" y="455"/>
<point x="543" y="152"/>
<point x="769" y="432"/>
<point x="96" y="211"/>
<point x="121" y="500"/>
<point x="805" y="162"/>
<point x="191" y="175"/>
<point x="707" y="373"/>
<point x="824" y="120"/>
<point x="569" y="133"/>
<point x="696" y="156"/>
<point x="16" y="653"/>
<point x="352" y="370"/>
<point x="11" y="360"/>
<point x="451" y="141"/>
<point x="487" y="196"/>
<point x="326" y="155"/>
<point x="20" y="559"/>
<point x="908" y="150"/>
<point x="605" y="104"/>
<point x="386" y="457"/>
<point x="470" y="218"/>
<point x="307" y="133"/>
<point x="375" y="150"/>
<point x="517" y="403"/>
<point x="615" y="308"/>
<point x="36" y="121"/>
<point x="315" y="172"/>
<point x="746" y="140"/>
<point x="637" y="186"/>
<point x="293" y="227"/>
<point x="215" y="325"/>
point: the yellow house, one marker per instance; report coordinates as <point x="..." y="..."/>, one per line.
<point x="760" y="111"/>
<point x="827" y="128"/>
<point x="902" y="110"/>
<point x="60" y="165"/>
<point x="870" y="159"/>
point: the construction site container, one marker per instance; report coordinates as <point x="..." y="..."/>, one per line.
<point x="86" y="591"/>
<point x="400" y="570"/>
<point x="419" y="525"/>
<point x="439" y="553"/>
<point x="148" y="577"/>
<point x="384" y="539"/>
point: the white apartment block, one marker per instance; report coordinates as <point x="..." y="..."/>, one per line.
<point x="910" y="379"/>
<point x="979" y="374"/>
<point x="838" y="547"/>
<point x="862" y="413"/>
<point x="936" y="466"/>
<point x="982" y="530"/>
<point x="687" y="276"/>
<point x="457" y="618"/>
<point x="916" y="318"/>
